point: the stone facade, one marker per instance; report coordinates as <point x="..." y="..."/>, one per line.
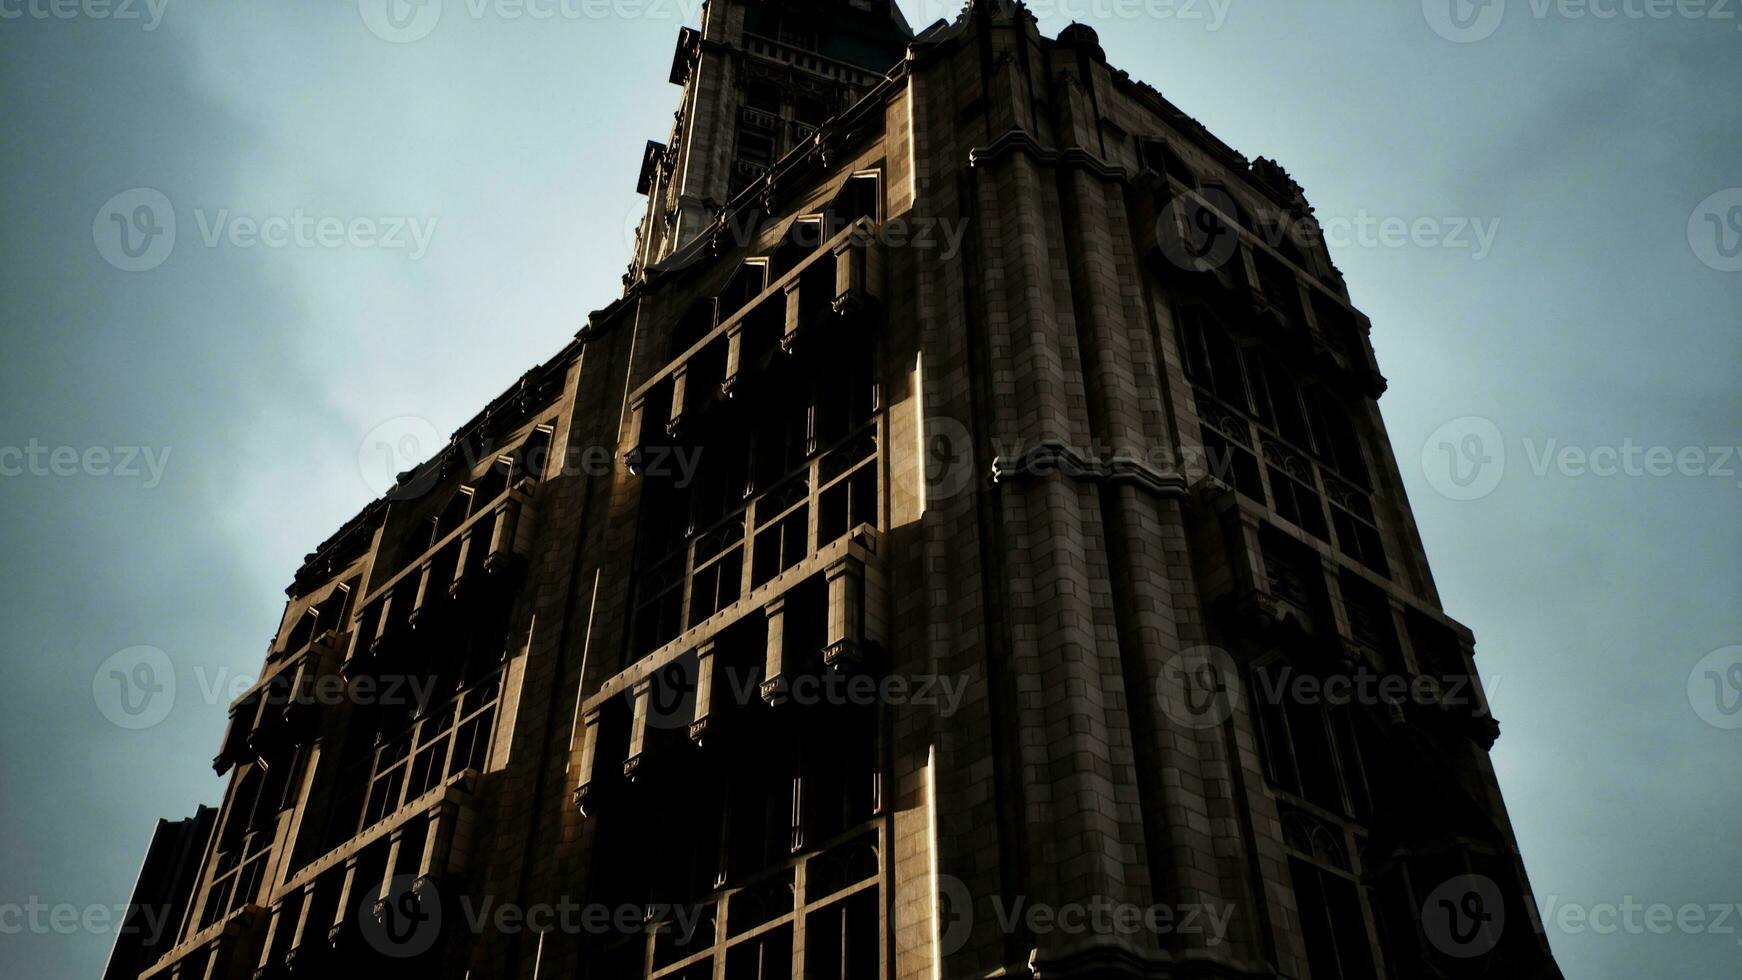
<point x="969" y="548"/>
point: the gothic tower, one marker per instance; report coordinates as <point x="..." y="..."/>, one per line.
<point x="969" y="548"/>
<point x="758" y="80"/>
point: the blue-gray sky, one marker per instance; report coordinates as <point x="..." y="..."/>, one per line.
<point x="1599" y="316"/>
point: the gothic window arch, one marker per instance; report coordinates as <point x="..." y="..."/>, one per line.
<point x="702" y="316"/>
<point x="1161" y="158"/>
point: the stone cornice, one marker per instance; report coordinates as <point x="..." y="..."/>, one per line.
<point x="1054" y="457"/>
<point x="1021" y="141"/>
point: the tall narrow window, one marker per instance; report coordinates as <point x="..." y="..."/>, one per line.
<point x="1337" y="938"/>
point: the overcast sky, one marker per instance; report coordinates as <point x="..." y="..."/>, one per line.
<point x="1540" y="209"/>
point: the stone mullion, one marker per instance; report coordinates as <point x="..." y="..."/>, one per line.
<point x="679" y="398"/>
<point x="775" y="677"/>
<point x="505" y="523"/>
<point x="299" y="937"/>
<point x="846" y="614"/>
<point x="586" y="767"/>
<point x="734" y="359"/>
<point x="642" y="692"/>
<point x="275" y="927"/>
<point x="462" y="564"/>
<point x="420" y="604"/>
<point x="383" y="623"/>
<point x="794" y="321"/>
<point x="395" y="847"/>
<point x="704" y="710"/>
<point x="218" y="962"/>
<point x="438" y="842"/>
<point x="347" y="895"/>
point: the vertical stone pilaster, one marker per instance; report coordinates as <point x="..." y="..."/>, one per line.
<point x="774" y="672"/>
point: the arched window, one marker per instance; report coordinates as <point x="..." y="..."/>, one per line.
<point x="458" y="508"/>
<point x="1337" y="438"/>
<point x="330" y="613"/>
<point x="532" y="460"/>
<point x="1212" y="358"/>
<point x="493" y="484"/>
<point x="1278" y="398"/>
<point x="1160" y="157"/>
<point x="803" y="236"/>
<point x="699" y="319"/>
<point x="859" y="198"/>
<point x="745" y="285"/>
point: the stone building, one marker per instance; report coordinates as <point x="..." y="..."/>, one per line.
<point x="970" y="547"/>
